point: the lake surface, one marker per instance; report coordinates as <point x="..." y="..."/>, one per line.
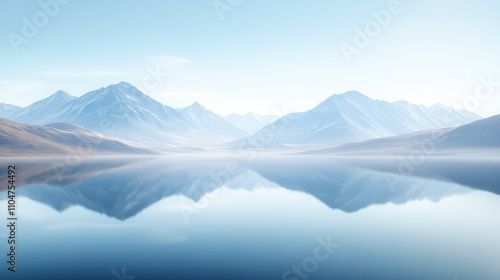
<point x="283" y="217"/>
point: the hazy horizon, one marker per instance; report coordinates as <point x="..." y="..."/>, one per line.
<point x="277" y="112"/>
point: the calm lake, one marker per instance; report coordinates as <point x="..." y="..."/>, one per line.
<point x="266" y="217"/>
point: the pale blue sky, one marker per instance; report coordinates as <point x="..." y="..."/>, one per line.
<point x="264" y="56"/>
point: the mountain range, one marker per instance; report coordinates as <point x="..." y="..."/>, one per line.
<point x="352" y="117"/>
<point x="123" y="113"/>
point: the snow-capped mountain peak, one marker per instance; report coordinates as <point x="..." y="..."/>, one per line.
<point x="8" y="110"/>
<point x="344" y="99"/>
<point x="122" y="89"/>
<point x="41" y="111"/>
<point x="61" y="95"/>
<point x="352" y="117"/>
<point x="196" y="107"/>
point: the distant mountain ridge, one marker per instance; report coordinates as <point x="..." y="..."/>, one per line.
<point x="37" y="113"/>
<point x="250" y="122"/>
<point x="479" y="137"/>
<point x="201" y="118"/>
<point x="352" y="117"/>
<point x="8" y="110"/>
<point x="121" y="111"/>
